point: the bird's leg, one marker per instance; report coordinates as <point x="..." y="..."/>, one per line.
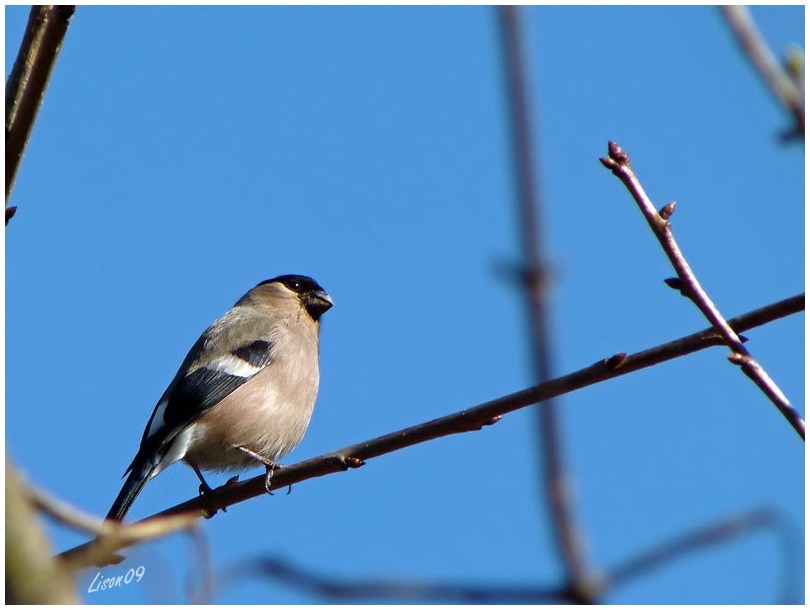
<point x="270" y="470"/>
<point x="269" y="465"/>
<point x="205" y="489"/>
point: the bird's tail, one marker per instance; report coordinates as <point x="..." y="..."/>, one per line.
<point x="139" y="475"/>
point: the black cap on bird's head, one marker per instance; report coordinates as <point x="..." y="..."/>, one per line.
<point x="314" y="298"/>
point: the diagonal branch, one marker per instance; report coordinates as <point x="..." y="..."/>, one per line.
<point x="618" y="162"/>
<point x="110" y="535"/>
<point x="786" y="90"/>
<point x="25" y="88"/>
<point x="467" y="420"/>
<point x="535" y="282"/>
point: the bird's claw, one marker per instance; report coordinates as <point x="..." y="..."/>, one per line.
<point x="206" y="492"/>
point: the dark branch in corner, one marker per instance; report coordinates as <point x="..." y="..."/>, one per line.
<point x="467" y="420"/>
<point x="25" y="88"/>
<point x="618" y="162"/>
<point x="535" y="284"/>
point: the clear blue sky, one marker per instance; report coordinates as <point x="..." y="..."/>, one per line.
<point x="183" y="155"/>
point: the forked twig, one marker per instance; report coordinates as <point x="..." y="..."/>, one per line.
<point x="618" y="162"/>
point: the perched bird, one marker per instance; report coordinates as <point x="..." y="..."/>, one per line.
<point x="244" y="393"/>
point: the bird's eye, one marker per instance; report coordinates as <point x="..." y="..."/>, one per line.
<point x="295" y="285"/>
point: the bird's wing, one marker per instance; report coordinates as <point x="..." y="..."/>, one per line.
<point x="189" y="396"/>
<point x="207" y="385"/>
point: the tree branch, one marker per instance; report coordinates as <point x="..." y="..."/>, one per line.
<point x="110" y="535"/>
<point x="786" y="90"/>
<point x="32" y="575"/>
<point x="400" y="591"/>
<point x="618" y="162"/>
<point x="535" y="283"/>
<point x="467" y="420"/>
<point x="25" y="88"/>
<point x="343" y="589"/>
<point x="700" y="538"/>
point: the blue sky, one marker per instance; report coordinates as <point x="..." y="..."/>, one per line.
<point x="183" y="155"/>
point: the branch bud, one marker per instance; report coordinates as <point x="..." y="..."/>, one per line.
<point x="667" y="211"/>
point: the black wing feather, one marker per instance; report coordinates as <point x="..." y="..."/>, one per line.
<point x="259" y="353"/>
<point x="205" y="388"/>
<point x="198" y="392"/>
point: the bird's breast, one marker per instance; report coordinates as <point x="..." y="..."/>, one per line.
<point x="267" y="415"/>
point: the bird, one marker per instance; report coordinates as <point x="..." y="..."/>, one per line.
<point x="244" y="393"/>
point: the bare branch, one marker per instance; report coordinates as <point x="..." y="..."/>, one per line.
<point x="401" y="591"/>
<point x="468" y="420"/>
<point x="698" y="539"/>
<point x="110" y="535"/>
<point x="28" y="80"/>
<point x="535" y="283"/>
<point x="618" y="162"/>
<point x="778" y="80"/>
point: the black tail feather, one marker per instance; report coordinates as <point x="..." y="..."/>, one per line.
<point x="132" y="487"/>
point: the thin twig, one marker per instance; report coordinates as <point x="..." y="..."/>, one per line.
<point x="110" y="535"/>
<point x="71" y="516"/>
<point x="25" y="88"/>
<point x="471" y="419"/>
<point x="703" y="537"/>
<point x="535" y="283"/>
<point x="775" y="76"/>
<point x="64" y="513"/>
<point x="618" y="162"/>
<point x="400" y="591"/>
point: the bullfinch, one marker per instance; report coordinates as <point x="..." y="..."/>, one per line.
<point x="245" y="392"/>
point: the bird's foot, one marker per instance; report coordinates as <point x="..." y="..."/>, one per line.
<point x="271" y="468"/>
<point x="206" y="492"/>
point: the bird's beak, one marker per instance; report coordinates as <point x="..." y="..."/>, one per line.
<point x="318" y="303"/>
